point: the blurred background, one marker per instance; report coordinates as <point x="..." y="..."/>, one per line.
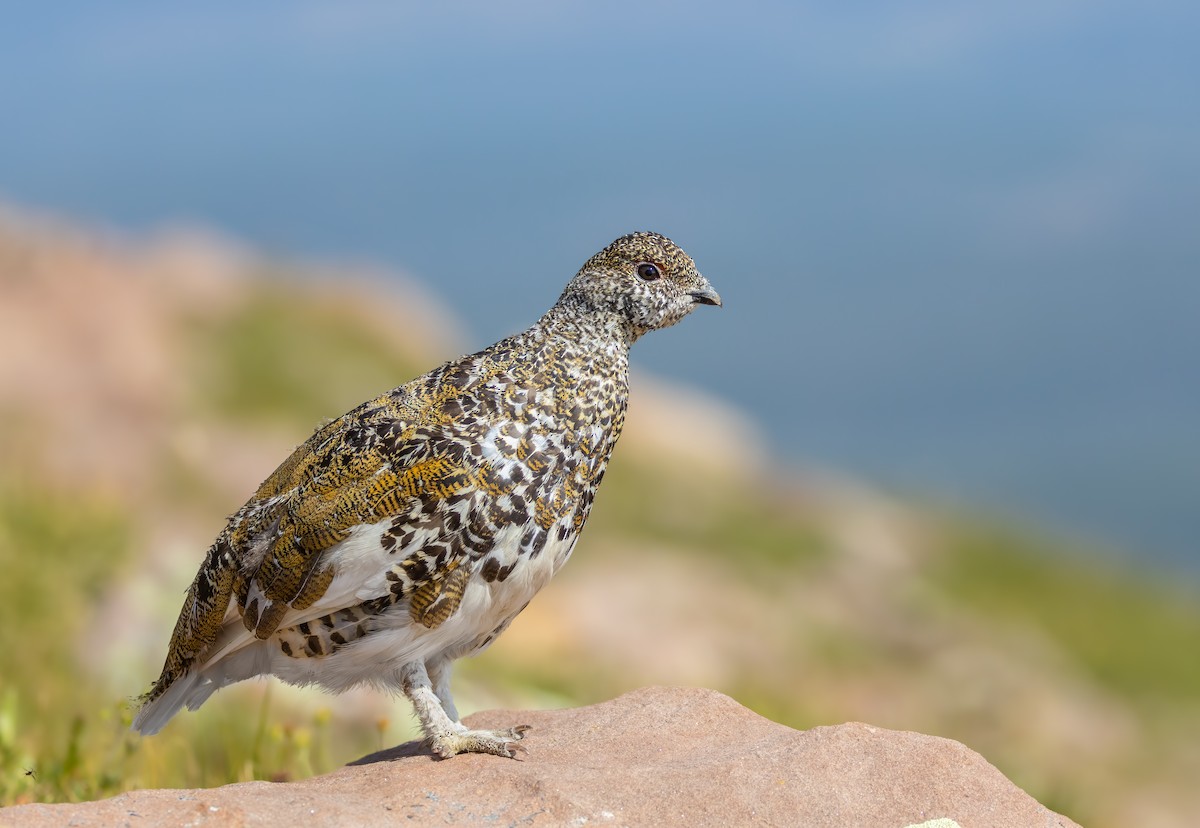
<point x="945" y="430"/>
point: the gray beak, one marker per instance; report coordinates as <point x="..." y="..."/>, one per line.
<point x="706" y="295"/>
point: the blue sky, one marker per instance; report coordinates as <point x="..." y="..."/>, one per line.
<point x="957" y="242"/>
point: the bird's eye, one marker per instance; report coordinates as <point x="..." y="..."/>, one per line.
<point x="648" y="272"/>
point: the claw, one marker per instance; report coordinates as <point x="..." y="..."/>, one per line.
<point x="495" y="742"/>
<point x="516" y="733"/>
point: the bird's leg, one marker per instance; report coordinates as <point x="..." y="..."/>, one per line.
<point x="439" y="677"/>
<point x="446" y="736"/>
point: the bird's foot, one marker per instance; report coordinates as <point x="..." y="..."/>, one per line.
<point x="495" y="742"/>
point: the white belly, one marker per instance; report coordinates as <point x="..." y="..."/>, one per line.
<point x="486" y="608"/>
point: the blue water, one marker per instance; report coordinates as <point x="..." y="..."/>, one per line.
<point x="958" y="247"/>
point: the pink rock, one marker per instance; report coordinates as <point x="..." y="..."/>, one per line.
<point x="656" y="756"/>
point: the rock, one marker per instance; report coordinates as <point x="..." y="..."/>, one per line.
<point x="657" y="756"/>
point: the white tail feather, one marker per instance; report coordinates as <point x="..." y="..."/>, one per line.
<point x="154" y="715"/>
<point x="194" y="688"/>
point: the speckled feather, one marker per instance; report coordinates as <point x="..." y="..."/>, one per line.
<point x="470" y="483"/>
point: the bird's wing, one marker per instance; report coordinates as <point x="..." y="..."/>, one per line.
<point x="353" y="474"/>
<point x="272" y="566"/>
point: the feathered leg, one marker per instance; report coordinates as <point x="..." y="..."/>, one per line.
<point x="439" y="677"/>
<point x="448" y="737"/>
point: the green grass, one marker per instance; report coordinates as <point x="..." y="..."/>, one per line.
<point x="640" y="503"/>
<point x="283" y="358"/>
<point x="62" y="736"/>
<point x="95" y="755"/>
<point x="290" y="360"/>
<point x="1138" y="637"/>
<point x="58" y="551"/>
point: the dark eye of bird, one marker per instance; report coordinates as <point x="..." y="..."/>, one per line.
<point x="648" y="272"/>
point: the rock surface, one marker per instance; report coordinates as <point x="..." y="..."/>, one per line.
<point x="657" y="756"/>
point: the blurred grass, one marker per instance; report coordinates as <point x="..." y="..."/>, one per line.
<point x="648" y="502"/>
<point x="279" y="359"/>
<point x="1136" y="636"/>
<point x="58" y="552"/>
<point x="64" y="736"/>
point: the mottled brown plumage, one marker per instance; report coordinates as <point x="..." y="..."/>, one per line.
<point x="412" y="530"/>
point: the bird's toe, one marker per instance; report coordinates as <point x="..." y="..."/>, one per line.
<point x="495" y="742"/>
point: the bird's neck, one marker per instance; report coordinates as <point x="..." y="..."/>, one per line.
<point x="591" y="328"/>
<point x="580" y="349"/>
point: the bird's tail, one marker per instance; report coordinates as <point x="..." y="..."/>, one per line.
<point x="193" y="668"/>
<point x="193" y="688"/>
<point x="156" y="712"/>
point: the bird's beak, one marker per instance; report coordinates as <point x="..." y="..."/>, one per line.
<point x="705" y="295"/>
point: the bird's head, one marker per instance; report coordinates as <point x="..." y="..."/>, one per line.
<point x="645" y="279"/>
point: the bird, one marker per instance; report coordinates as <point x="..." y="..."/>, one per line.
<point x="412" y="530"/>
